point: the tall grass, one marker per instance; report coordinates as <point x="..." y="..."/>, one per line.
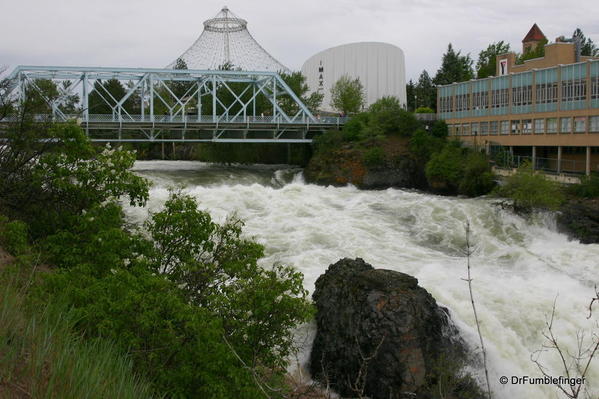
<point x="42" y="357"/>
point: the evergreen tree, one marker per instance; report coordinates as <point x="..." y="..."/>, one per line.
<point x="587" y="47"/>
<point x="105" y="96"/>
<point x="487" y="59"/>
<point x="425" y="92"/>
<point x="410" y="90"/>
<point x="455" y="67"/>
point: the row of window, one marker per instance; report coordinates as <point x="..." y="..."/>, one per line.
<point x="546" y="93"/>
<point x="578" y="124"/>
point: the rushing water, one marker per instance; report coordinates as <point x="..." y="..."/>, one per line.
<point x="519" y="267"/>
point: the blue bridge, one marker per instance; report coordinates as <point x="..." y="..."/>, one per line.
<point x="169" y="105"/>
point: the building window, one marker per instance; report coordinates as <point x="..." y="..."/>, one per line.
<point x="580" y="124"/>
<point x="552" y="125"/>
<point x="565" y="125"/>
<point x="462" y="102"/>
<point x="527" y="126"/>
<point x="499" y="98"/>
<point x="475" y="129"/>
<point x="515" y="127"/>
<point x="480" y="100"/>
<point x="594" y="124"/>
<point x="465" y="129"/>
<point x="484" y="128"/>
<point x="505" y="127"/>
<point x="574" y="90"/>
<point x="546" y="93"/>
<point x="539" y="126"/>
<point x="522" y="95"/>
<point x="595" y="88"/>
<point x="446" y="104"/>
<point x="493" y="128"/>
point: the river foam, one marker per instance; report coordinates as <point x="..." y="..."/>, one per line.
<point x="519" y="267"/>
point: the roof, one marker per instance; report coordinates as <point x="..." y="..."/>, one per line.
<point x="534" y="35"/>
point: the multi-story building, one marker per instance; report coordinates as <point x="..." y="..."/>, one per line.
<point x="545" y="108"/>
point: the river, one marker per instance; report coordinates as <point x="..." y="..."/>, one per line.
<point x="519" y="267"/>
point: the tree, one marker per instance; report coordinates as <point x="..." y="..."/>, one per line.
<point x="410" y="93"/>
<point x="587" y="47"/>
<point x="347" y="95"/>
<point x="297" y="83"/>
<point x="425" y="92"/>
<point x="487" y="59"/>
<point x="531" y="53"/>
<point x="106" y="95"/>
<point x="454" y="68"/>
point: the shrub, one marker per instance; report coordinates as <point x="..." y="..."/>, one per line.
<point x="439" y="129"/>
<point x="445" y="169"/>
<point x="588" y="187"/>
<point x="374" y="157"/>
<point x="13" y="236"/>
<point x="43" y="184"/>
<point x="424" y="110"/>
<point x="423" y="145"/>
<point x="218" y="270"/>
<point x="531" y="190"/>
<point x="477" y="178"/>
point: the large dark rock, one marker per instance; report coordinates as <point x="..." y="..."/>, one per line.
<point x="379" y="334"/>
<point x="580" y="219"/>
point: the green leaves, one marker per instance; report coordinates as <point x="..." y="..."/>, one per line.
<point x="347" y="95"/>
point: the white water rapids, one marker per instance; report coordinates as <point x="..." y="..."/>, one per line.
<point x="518" y="268"/>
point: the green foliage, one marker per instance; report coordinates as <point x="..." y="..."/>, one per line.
<point x="445" y="169"/>
<point x="477" y="177"/>
<point x="14" y="236"/>
<point x="374" y="157"/>
<point x="43" y="355"/>
<point x="487" y="59"/>
<point x="218" y="270"/>
<point x="587" y="46"/>
<point x="424" y="110"/>
<point x="531" y="190"/>
<point x="45" y="182"/>
<point x="588" y="187"/>
<point x="347" y="95"/>
<point x="454" y="68"/>
<point x="425" y="92"/>
<point x="356" y="128"/>
<point x="105" y="96"/>
<point x="387" y="118"/>
<point x="297" y="83"/>
<point x="424" y="144"/>
<point x="537" y="52"/>
<point x="456" y="170"/>
<point x="440" y="129"/>
<point x="410" y="95"/>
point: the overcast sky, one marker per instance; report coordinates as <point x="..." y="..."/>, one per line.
<point x="152" y="33"/>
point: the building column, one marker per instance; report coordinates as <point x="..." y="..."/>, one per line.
<point x="559" y="159"/>
<point x="534" y="157"/>
<point x="588" y="163"/>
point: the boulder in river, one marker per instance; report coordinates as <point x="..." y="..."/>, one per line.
<point x="381" y="335"/>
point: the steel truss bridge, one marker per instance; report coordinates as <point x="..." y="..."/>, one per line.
<point x="173" y="105"/>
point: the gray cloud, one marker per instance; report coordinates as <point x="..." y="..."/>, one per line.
<point x="151" y="33"/>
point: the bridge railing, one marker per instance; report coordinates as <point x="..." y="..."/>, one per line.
<point x="189" y="119"/>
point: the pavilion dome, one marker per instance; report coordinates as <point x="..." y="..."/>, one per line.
<point x="226" y="40"/>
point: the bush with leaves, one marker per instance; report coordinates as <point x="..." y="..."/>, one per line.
<point x="445" y="169"/>
<point x="218" y="269"/>
<point x="47" y="177"/>
<point x="477" y="178"/>
<point x="530" y="190"/>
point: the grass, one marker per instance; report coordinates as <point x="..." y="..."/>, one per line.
<point x="42" y="357"/>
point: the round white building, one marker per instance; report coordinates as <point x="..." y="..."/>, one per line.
<point x="379" y="66"/>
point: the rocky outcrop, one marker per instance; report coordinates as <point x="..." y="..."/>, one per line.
<point x="381" y="335"/>
<point x="580" y="220"/>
